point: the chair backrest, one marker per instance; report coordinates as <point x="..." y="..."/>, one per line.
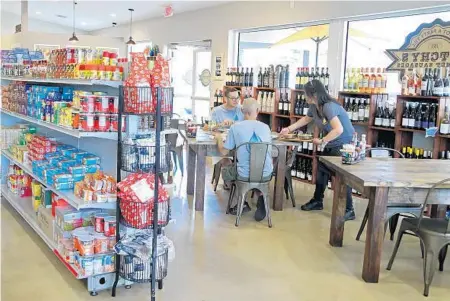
<point x="293" y="154"/>
<point x="382" y="154"/>
<point x="258" y="152"/>
<point x="172" y="139"/>
<point x="427" y="201"/>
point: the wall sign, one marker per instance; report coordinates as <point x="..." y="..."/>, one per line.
<point x="427" y="47"/>
<point x="218" y="66"/>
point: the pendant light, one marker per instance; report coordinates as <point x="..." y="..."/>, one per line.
<point x="130" y="41"/>
<point x="73" y="38"/>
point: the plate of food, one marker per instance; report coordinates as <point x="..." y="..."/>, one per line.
<point x="296" y="137"/>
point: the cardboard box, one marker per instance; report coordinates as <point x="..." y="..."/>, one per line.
<point x="45" y="221"/>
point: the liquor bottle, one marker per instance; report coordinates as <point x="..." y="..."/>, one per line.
<point x="286" y="77"/>
<point x="246" y="78"/>
<point x="355" y="80"/>
<point x="383" y="81"/>
<point x="367" y="110"/>
<point x="418" y="117"/>
<point x="310" y="148"/>
<point x="280" y="79"/>
<point x="444" y="129"/>
<point x="438" y="89"/>
<point x="446" y="82"/>
<point x="432" y="118"/>
<point x="405" y="81"/>
<point x="366" y="81"/>
<point x="405" y="116"/>
<point x="425" y="116"/>
<point x="250" y="80"/>
<point x="281" y="105"/>
<point x="411" y="84"/>
<point x="372" y="80"/>
<point x="287" y="105"/>
<point x="411" y="117"/>
<point x="392" y="118"/>
<point x="305" y="105"/>
<point x="260" y="78"/>
<point x="424" y="83"/>
<point x="327" y="79"/>
<point x="431" y="79"/>
<point x="355" y="110"/>
<point x="348" y="108"/>
<point x="418" y="82"/>
<point x="361" y="110"/>
<point x="385" y="119"/>
<point x="347" y="80"/>
<point x="297" y="79"/>
<point x="378" y="81"/>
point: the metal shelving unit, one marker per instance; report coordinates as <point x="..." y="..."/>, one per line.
<point x="164" y="102"/>
<point x="80" y="82"/>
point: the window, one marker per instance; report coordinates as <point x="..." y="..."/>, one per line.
<point x="295" y="46"/>
<point x="368" y="40"/>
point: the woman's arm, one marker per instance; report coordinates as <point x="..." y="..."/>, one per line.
<point x="299" y="124"/>
<point x="336" y="130"/>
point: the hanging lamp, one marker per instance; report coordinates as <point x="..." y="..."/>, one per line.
<point x="73" y="38"/>
<point x="131" y="41"/>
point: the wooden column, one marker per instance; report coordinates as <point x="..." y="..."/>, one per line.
<point x="200" y="178"/>
<point x="192" y="157"/>
<point x="337" y="215"/>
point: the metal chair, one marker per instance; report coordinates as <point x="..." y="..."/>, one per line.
<point x="176" y="151"/>
<point x="256" y="180"/>
<point x="434" y="235"/>
<point x="394" y="210"/>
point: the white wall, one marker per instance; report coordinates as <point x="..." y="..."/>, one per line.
<point x="10" y="20"/>
<point x="215" y="23"/>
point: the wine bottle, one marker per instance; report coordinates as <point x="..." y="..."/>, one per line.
<point x="246" y="78"/>
<point x="355" y="111"/>
<point x="411" y="117"/>
<point x="366" y="109"/>
<point x="444" y="129"/>
<point x="294" y="168"/>
<point x="392" y="118"/>
<point x="424" y="84"/>
<point x="418" y="117"/>
<point x="250" y="80"/>
<point x="405" y="116"/>
<point x="281" y="105"/>
<point x="260" y="78"/>
<point x="385" y="120"/>
<point x="311" y="75"/>
<point x="431" y="79"/>
<point x="446" y="83"/>
<point x="327" y="79"/>
<point x="432" y="118"/>
<point x="297" y="79"/>
<point x="305" y="105"/>
<point x="287" y="105"/>
<point x="286" y="76"/>
<point x="361" y="110"/>
<point x="378" y="115"/>
<point x="438" y="89"/>
<point x="425" y="116"/>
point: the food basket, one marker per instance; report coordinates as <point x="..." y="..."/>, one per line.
<point x="142" y="100"/>
<point x="139" y="215"/>
<point x="134" y="269"/>
<point x="137" y="158"/>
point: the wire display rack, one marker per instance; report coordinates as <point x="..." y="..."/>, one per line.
<point x="150" y="104"/>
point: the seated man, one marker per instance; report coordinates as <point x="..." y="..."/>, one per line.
<point x="249" y="130"/>
<point x="230" y="111"/>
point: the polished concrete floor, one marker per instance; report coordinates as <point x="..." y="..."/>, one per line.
<point x="215" y="261"/>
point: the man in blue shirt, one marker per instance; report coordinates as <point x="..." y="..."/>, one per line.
<point x="249" y="130"/>
<point x="230" y="112"/>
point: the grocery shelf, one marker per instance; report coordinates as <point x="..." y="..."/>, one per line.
<point x="402" y="129"/>
<point x="68" y="195"/>
<point x="81" y="82"/>
<point x="61" y="129"/>
<point x="264" y="88"/>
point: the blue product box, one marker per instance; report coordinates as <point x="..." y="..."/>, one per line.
<point x="77" y="170"/>
<point x="65" y="164"/>
<point x="62" y="178"/>
<point x="79" y="155"/>
<point x="92" y="168"/>
<point x="90" y="160"/>
<point x="64" y="186"/>
<point x="78" y="178"/>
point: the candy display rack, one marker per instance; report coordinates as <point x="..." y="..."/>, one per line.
<point x="133" y="159"/>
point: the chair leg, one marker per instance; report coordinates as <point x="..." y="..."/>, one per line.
<point x="363" y="223"/>
<point x="393" y="222"/>
<point x="230" y="199"/>
<point x="217" y="175"/>
<point x="241" y="200"/>
<point x="429" y="267"/>
<point x="442" y="255"/>
<point x="214" y="174"/>
<point x="394" y="253"/>
<point x="291" y="191"/>
<point x="266" y="204"/>
<point x="181" y="161"/>
<point x="422" y="249"/>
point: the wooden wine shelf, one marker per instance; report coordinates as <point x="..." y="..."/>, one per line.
<point x="361" y="123"/>
<point x="265" y="113"/>
<point x="435" y="98"/>
<point x="402" y="129"/>
<point x="358" y="93"/>
<point x="444" y="136"/>
<point x="298" y="116"/>
<point x="283" y="116"/>
<point x="267" y="89"/>
<point x="306" y="155"/>
<point x="380" y="128"/>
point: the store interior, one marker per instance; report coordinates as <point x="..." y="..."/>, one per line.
<point x="112" y="166"/>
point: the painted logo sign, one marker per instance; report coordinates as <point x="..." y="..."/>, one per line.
<point x="427" y="47"/>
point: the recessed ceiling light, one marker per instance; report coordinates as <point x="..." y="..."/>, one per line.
<point x="112" y="15"/>
<point x="38" y="13"/>
<point x="83" y="23"/>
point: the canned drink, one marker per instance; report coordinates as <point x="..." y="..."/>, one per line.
<point x="87" y="122"/>
<point x="75" y="120"/>
<point x="103" y="123"/>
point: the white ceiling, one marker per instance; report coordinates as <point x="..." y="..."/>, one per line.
<point x="93" y="15"/>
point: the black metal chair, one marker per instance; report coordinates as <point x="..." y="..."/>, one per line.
<point x="256" y="180"/>
<point x="394" y="210"/>
<point x="177" y="151"/>
<point x="434" y="235"/>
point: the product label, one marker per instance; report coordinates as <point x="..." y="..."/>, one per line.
<point x="362" y="112"/>
<point x="446" y="91"/>
<point x="355" y="115"/>
<point x="365" y="83"/>
<point x="385" y="122"/>
<point x="424" y="84"/>
<point x="444" y="128"/>
<point x="366" y="113"/>
<point x="392" y="123"/>
<point x="411" y="122"/>
<point x="371" y="83"/>
<point x="377" y="121"/>
<point x="405" y="122"/>
<point x="378" y="83"/>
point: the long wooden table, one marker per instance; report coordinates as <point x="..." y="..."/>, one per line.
<point x="197" y="151"/>
<point x="383" y="181"/>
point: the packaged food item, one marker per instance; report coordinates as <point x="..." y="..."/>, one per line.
<point x="87" y="122"/>
<point x="68" y="218"/>
<point x="100" y="243"/>
<point x="85" y="264"/>
<point x="90" y="160"/>
<point x="98" y="265"/>
<point x="110" y="226"/>
<point x="100" y="222"/>
<point x="104" y="123"/>
<point x="86" y="245"/>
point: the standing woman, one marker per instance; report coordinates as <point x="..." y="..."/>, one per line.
<point x="329" y="116"/>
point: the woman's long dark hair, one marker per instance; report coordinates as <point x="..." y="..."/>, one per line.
<point x="315" y="89"/>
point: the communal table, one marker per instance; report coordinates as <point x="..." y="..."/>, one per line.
<point x="197" y="151"/>
<point x="383" y="181"/>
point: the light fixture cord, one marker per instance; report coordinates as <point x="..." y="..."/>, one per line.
<point x="131" y="22"/>
<point x="74" y="3"/>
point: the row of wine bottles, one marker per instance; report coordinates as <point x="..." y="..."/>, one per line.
<point x="304" y="75"/>
<point x="357" y="108"/>
<point x="266" y="101"/>
<point x="418" y="115"/>
<point x="385" y="114"/>
<point x="302" y="168"/>
<point x="426" y="82"/>
<point x="236" y="77"/>
<point x="416" y="153"/>
<point x="363" y="81"/>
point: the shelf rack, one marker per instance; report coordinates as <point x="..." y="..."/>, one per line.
<point x="167" y="94"/>
<point x="80" y="82"/>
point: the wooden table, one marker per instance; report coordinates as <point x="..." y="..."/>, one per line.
<point x="383" y="181"/>
<point x="196" y="170"/>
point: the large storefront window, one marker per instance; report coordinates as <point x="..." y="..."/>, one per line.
<point x="296" y="47"/>
<point x="368" y="40"/>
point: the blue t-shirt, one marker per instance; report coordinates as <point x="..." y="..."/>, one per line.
<point x="249" y="131"/>
<point x="220" y="114"/>
<point x="331" y="110"/>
